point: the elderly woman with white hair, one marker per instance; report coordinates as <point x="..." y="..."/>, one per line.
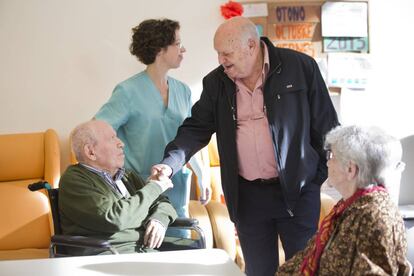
<point x="364" y="233"/>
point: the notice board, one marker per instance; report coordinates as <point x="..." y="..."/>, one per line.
<point x="319" y="29"/>
<point x="298" y="25"/>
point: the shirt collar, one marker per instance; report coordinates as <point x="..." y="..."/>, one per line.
<point x="266" y="61"/>
<point x="105" y="174"/>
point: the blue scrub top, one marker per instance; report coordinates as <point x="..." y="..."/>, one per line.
<point x="137" y="113"/>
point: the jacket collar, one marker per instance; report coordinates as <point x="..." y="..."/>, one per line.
<point x="274" y="57"/>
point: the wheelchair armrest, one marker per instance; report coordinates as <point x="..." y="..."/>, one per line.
<point x="80" y="241"/>
<point x="184" y="222"/>
<point x="191" y="223"/>
<point x="77" y="241"/>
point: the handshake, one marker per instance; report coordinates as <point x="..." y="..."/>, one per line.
<point x="160" y="174"/>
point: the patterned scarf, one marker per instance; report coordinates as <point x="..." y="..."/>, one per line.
<point x="310" y="263"/>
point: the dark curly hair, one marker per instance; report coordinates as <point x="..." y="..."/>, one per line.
<point x="151" y="36"/>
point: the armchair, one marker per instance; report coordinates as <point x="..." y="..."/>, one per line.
<point x="25" y="219"/>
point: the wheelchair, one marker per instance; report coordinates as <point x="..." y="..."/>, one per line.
<point x="59" y="242"/>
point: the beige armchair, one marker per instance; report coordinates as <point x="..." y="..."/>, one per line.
<point x="25" y="219"/>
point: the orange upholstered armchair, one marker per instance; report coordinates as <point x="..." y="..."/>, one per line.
<point x="25" y="221"/>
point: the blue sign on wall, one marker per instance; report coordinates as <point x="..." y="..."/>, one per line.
<point x="345" y="44"/>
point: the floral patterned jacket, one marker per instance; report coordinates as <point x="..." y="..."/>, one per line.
<point x="369" y="239"/>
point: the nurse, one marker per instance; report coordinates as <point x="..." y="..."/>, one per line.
<point x="147" y="108"/>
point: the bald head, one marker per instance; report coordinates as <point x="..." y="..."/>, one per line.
<point x="82" y="135"/>
<point x="237" y="28"/>
<point x="238" y="48"/>
<point x="95" y="143"/>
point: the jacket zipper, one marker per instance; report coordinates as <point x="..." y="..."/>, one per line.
<point x="278" y="69"/>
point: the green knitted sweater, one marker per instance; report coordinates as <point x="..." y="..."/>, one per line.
<point x="89" y="207"/>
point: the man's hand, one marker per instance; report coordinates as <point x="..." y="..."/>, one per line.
<point x="160" y="172"/>
<point x="164" y="184"/>
<point x="154" y="234"/>
<point x="205" y="195"/>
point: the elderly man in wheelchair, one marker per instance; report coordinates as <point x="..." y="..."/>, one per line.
<point x="100" y="200"/>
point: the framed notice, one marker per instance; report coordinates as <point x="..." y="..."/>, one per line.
<point x="345" y="44"/>
<point x="296" y="26"/>
<point x="345" y="27"/>
<point x="345" y="19"/>
<point x="348" y="70"/>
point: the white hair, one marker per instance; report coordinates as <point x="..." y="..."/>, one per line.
<point x="373" y="151"/>
<point x="82" y="135"/>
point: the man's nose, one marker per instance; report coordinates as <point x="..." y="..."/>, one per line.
<point x="120" y="143"/>
<point x="221" y="59"/>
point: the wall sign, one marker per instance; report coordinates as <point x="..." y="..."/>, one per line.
<point x="345" y="44"/>
<point x="295" y="26"/>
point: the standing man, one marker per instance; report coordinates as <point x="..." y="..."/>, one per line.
<point x="270" y="109"/>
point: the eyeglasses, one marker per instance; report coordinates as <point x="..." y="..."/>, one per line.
<point x="251" y="117"/>
<point x="258" y="115"/>
<point x="329" y="154"/>
<point x="179" y="44"/>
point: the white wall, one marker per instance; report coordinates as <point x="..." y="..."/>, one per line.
<point x="60" y="59"/>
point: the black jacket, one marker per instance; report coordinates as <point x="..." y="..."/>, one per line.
<point x="299" y="111"/>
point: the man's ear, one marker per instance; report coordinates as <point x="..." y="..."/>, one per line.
<point x="251" y="43"/>
<point x="89" y="152"/>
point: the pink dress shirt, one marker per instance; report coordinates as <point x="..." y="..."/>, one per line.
<point x="256" y="155"/>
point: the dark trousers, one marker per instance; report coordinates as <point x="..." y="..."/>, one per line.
<point x="262" y="216"/>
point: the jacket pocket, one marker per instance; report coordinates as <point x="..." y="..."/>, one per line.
<point x="289" y="89"/>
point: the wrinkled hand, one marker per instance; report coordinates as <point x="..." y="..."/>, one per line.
<point x="160" y="172"/>
<point x="164" y="184"/>
<point x="154" y="234"/>
<point x="205" y="195"/>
